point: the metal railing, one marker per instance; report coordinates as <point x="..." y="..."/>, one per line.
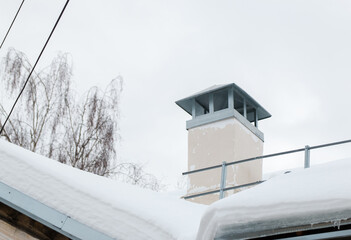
<point x="224" y="165"/>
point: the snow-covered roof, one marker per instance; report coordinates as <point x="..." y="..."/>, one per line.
<point x="82" y="205"/>
<point x="298" y="201"/>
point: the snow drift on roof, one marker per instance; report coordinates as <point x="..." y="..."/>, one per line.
<point x="308" y="196"/>
<point x="118" y="210"/>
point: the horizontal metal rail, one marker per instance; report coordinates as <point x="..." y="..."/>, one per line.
<point x="224" y="165"/>
<point x="266" y="156"/>
<point x="330" y="144"/>
<point x="225" y="189"/>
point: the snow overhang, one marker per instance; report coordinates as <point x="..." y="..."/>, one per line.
<point x="319" y="226"/>
<point x="302" y="203"/>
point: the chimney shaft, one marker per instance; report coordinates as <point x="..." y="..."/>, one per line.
<point x="223" y="128"/>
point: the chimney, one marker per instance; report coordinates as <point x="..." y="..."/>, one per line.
<point x="224" y="127"/>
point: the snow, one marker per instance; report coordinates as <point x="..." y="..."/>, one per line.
<point x="268" y="175"/>
<point x="119" y="210"/>
<point x="306" y="196"/>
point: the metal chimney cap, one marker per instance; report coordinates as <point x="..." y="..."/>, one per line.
<point x="239" y="94"/>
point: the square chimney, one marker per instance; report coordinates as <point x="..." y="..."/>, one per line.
<point x="224" y="127"/>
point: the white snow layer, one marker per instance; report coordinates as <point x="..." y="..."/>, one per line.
<point x="306" y="196"/>
<point x="119" y="210"/>
<point x="123" y="211"/>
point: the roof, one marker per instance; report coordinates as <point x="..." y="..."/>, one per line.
<point x="303" y="200"/>
<point x="186" y="103"/>
<point x="82" y="205"/>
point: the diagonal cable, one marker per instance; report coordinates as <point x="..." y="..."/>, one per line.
<point x="30" y="74"/>
<point x="14" y="19"/>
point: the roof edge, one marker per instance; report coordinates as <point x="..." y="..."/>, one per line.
<point x="48" y="216"/>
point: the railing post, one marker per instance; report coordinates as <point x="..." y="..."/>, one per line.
<point x="307" y="156"/>
<point x="223" y="180"/>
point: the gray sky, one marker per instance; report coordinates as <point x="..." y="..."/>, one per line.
<point x="293" y="57"/>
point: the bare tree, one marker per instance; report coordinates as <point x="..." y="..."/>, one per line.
<point x="91" y="131"/>
<point x="50" y="120"/>
<point x="134" y="173"/>
<point x="43" y="104"/>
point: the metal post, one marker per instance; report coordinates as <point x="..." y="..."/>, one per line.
<point x="193" y="108"/>
<point x="230" y="98"/>
<point x="223" y="180"/>
<point x="211" y="103"/>
<point x="307" y="156"/>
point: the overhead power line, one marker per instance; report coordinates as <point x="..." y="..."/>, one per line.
<point x="30" y="74"/>
<point x="14" y="19"/>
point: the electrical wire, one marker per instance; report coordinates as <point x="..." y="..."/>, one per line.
<point x="30" y="74"/>
<point x="14" y="19"/>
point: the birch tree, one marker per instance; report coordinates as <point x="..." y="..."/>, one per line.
<point x="51" y="120"/>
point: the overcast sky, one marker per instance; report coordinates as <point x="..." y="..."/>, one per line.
<point x="293" y="57"/>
